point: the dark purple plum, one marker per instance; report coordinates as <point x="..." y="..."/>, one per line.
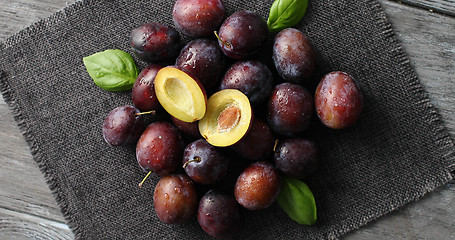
<point x="293" y="55"/>
<point x="204" y="163"/>
<point x="188" y="128"/>
<point x="204" y="60"/>
<point x="338" y="100"/>
<point x="154" y="42"/>
<point x="252" y="78"/>
<point x="198" y="18"/>
<point x="296" y="157"/>
<point x="257" y="144"/>
<point x="175" y="199"/>
<point x="290" y="109"/>
<point x="143" y="92"/>
<point x="219" y="214"/>
<point x="258" y="186"/>
<point x="160" y="148"/>
<point x="123" y="126"/>
<point x="242" y="34"/>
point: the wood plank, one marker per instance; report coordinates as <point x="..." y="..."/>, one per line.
<point x="446" y="7"/>
<point x="15" y="225"/>
<point x="427" y="37"/>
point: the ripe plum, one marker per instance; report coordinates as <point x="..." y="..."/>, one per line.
<point x="189" y="128"/>
<point x="160" y="148"/>
<point x="338" y="100"/>
<point x="296" y="157"/>
<point x="242" y="33"/>
<point x="204" y="60"/>
<point x="198" y="18"/>
<point x="143" y="92"/>
<point x="258" y="186"/>
<point x="123" y="126"/>
<point x="175" y="199"/>
<point x="252" y="78"/>
<point x="219" y="214"/>
<point x="293" y="55"/>
<point x="257" y="144"/>
<point x="155" y="42"/>
<point x="290" y="109"/>
<point x="204" y="163"/>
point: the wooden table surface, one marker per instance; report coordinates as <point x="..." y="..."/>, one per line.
<point x="426" y="29"/>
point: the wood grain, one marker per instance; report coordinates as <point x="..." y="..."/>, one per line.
<point x="446" y="7"/>
<point x="28" y="210"/>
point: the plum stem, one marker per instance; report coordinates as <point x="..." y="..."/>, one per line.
<point x="224" y="42"/>
<point x="143" y="180"/>
<point x="196" y="159"/>
<point x="275" y="145"/>
<point x="149" y="112"/>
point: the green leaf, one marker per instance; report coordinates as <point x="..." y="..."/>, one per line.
<point x="297" y="200"/>
<point x="112" y="70"/>
<point x="285" y="13"/>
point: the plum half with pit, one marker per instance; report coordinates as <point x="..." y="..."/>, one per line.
<point x="242" y="34"/>
<point x="258" y="186"/>
<point x="293" y="55"/>
<point x="219" y="214"/>
<point x="253" y="78"/>
<point x="160" y="148"/>
<point x="175" y="199"/>
<point x="290" y="109"/>
<point x="143" y="92"/>
<point x="198" y="18"/>
<point x="228" y="118"/>
<point x="154" y="42"/>
<point x="296" y="157"/>
<point x="204" y="163"/>
<point x="338" y="100"/>
<point x="204" y="60"/>
<point x="123" y="126"/>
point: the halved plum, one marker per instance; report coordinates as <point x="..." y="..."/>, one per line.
<point x="180" y="94"/>
<point x="228" y="118"/>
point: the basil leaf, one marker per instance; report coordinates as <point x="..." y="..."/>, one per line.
<point x="112" y="70"/>
<point x="285" y="13"/>
<point x="297" y="200"/>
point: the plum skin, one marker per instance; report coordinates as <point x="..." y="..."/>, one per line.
<point x="258" y="186"/>
<point x="155" y="42"/>
<point x="143" y="92"/>
<point x="242" y="33"/>
<point x="290" y="109"/>
<point x="122" y="126"/>
<point x="252" y="78"/>
<point x="204" y="60"/>
<point x="219" y="214"/>
<point x="248" y="146"/>
<point x="338" y="100"/>
<point x="296" y="157"/>
<point x="198" y="18"/>
<point x="175" y="199"/>
<point x="293" y="55"/>
<point x="159" y="148"/>
<point x="210" y="165"/>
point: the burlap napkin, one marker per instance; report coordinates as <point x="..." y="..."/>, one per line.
<point x="396" y="153"/>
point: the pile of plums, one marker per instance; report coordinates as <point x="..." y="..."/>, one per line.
<point x="233" y="130"/>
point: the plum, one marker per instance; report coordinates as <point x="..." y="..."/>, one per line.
<point x="123" y="126"/>
<point x="242" y="33"/>
<point x="338" y="100"/>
